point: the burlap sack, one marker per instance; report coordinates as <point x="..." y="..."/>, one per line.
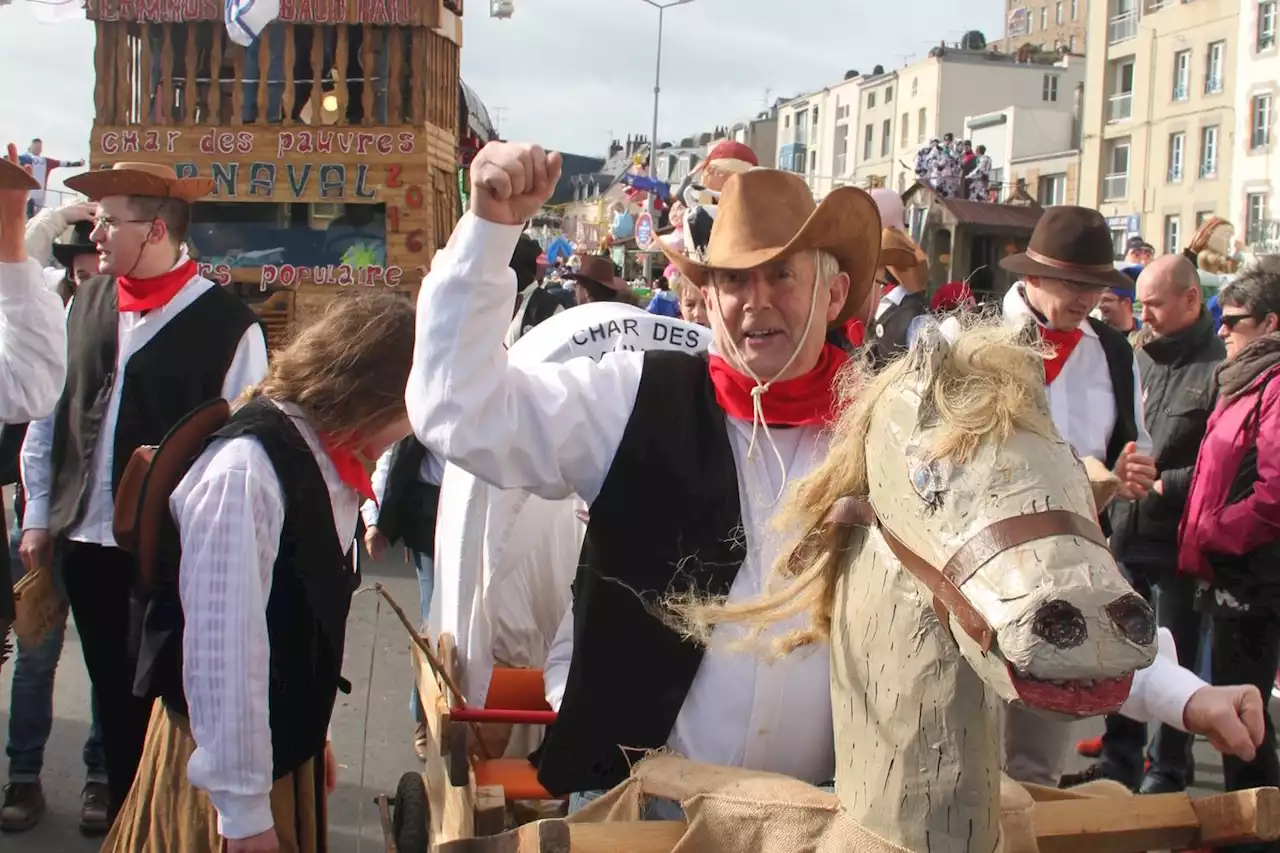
<point x="39" y="606"/>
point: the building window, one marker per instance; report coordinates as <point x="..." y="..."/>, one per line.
<point x="1203" y="216"/>
<point x="1266" y="25"/>
<point x="1177" y="145"/>
<point x="798" y="165"/>
<point x="888" y="94"/>
<point x="1259" y="122"/>
<point x="922" y="119"/>
<point x="1172" y="235"/>
<point x="1214" y="67"/>
<point x="886" y="138"/>
<point x="1121" y="101"/>
<point x="1181" y="75"/>
<point x="1049" y="89"/>
<point x="871" y="100"/>
<point x="815" y="118"/>
<point x="842" y="150"/>
<point x="1071" y="44"/>
<point x="1044" y="17"/>
<point x="1209" y="152"/>
<point x="802" y="128"/>
<point x="1057" y="13"/>
<point x="915" y="87"/>
<point x="1075" y="9"/>
<point x="904" y="132"/>
<point x="786" y="121"/>
<point x="1115" y="183"/>
<point x="1255" y="219"/>
<point x="867" y="142"/>
<point x="1052" y="190"/>
<point x="1124" y="23"/>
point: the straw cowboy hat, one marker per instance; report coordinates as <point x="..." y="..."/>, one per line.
<point x="599" y="270"/>
<point x="151" y="180"/>
<point x="1071" y="244"/>
<point x="14" y="177"/>
<point x="767" y="214"/>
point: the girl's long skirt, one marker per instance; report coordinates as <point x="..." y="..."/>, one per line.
<point x="164" y="813"/>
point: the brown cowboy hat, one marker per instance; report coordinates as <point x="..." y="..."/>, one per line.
<point x="1072" y="244"/>
<point x="599" y="270"/>
<point x="151" y="180"/>
<point x="15" y="177"/>
<point x="767" y="214"/>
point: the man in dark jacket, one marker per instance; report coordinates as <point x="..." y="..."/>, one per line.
<point x="1177" y="367"/>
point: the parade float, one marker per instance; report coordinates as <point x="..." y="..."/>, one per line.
<point x="332" y="140"/>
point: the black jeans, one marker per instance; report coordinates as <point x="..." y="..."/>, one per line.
<point x="1246" y="650"/>
<point x="99" y="584"/>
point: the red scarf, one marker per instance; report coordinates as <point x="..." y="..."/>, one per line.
<point x="1063" y="344"/>
<point x="148" y="294"/>
<point x="350" y="469"/>
<point x="808" y="400"/>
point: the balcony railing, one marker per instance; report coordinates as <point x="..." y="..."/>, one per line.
<point x="1180" y="92"/>
<point x="1175" y="174"/>
<point x="1213" y="86"/>
<point x="1120" y="106"/>
<point x="1123" y="27"/>
<point x="1115" y="187"/>
<point x="1209" y="170"/>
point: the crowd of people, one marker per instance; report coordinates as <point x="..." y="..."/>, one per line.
<point x="216" y="661"/>
<point x="955" y="169"/>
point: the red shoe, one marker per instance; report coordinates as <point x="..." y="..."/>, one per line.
<point x="1090" y="747"/>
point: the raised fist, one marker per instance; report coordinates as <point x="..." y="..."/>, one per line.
<point x="510" y="181"/>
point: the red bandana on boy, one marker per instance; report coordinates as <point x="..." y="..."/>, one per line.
<point x="1063" y="344"/>
<point x="808" y="400"/>
<point x="148" y="294"/>
<point x="351" y="469"/>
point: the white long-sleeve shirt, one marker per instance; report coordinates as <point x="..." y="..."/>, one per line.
<point x="33" y="344"/>
<point x="553" y="430"/>
<point x="230" y="511"/>
<point x="248" y="367"/>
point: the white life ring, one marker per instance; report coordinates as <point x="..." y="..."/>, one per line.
<point x="506" y="559"/>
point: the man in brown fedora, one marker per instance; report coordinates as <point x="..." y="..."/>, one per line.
<point x="1094" y="394"/>
<point x="779" y="271"/>
<point x="150" y="340"/>
<point x="595" y="280"/>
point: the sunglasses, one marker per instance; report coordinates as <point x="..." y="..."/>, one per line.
<point x="1231" y="320"/>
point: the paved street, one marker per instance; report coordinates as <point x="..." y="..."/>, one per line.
<point x="389" y="750"/>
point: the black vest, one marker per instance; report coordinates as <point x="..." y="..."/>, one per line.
<point x="409" y="506"/>
<point x="311" y="588"/>
<point x="183" y="366"/>
<point x="1120" y="365"/>
<point x="630" y="673"/>
<point x="888" y="336"/>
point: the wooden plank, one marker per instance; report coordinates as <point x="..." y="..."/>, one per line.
<point x="317" y="72"/>
<point x="369" y="72"/>
<point x="418" y="74"/>
<point x="101" y="71"/>
<point x="290" y="57"/>
<point x="237" y="56"/>
<point x="560" y="836"/>
<point x="491" y="810"/>
<point x="264" y="77"/>
<point x="1238" y="817"/>
<point x="190" y="86"/>
<point x="128" y="62"/>
<point x="341" y="59"/>
<point x="216" y="94"/>
<point x="395" y="88"/>
<point x="165" y="84"/>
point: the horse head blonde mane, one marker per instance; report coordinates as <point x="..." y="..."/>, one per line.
<point x="987" y="385"/>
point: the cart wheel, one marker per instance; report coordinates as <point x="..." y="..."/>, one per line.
<point x="411" y="819"/>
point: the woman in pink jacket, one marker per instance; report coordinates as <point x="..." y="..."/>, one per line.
<point x="1230" y="532"/>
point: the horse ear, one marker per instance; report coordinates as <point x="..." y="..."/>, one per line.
<point x="930" y="349"/>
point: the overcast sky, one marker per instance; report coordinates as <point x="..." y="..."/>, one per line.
<point x="569" y="74"/>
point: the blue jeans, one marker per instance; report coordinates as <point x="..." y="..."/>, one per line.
<point x="31" y="702"/>
<point x="424" y="565"/>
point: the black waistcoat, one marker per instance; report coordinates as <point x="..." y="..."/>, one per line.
<point x="888" y="336"/>
<point x="183" y="366"/>
<point x="630" y="673"/>
<point x="409" y="506"/>
<point x="1119" y="353"/>
<point x="311" y="588"/>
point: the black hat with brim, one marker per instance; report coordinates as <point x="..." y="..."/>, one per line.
<point x="80" y="244"/>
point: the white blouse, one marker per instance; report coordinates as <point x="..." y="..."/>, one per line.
<point x="33" y="344"/>
<point x="230" y="510"/>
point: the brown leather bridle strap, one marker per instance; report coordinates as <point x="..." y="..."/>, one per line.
<point x="1017" y="530"/>
<point x="976" y="553"/>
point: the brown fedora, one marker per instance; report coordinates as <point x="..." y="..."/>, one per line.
<point x="15" y="177"/>
<point x="150" y="180"/>
<point x="1072" y="244"/>
<point x="598" y="269"/>
<point x="767" y="214"/>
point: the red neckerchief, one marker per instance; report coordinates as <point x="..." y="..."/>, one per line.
<point x="148" y="294"/>
<point x="350" y="469"/>
<point x="808" y="400"/>
<point x="1063" y="343"/>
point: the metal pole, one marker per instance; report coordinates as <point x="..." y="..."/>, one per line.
<point x="653" y="146"/>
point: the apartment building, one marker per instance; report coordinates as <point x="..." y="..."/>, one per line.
<point x="799" y="139"/>
<point x="1038" y="145"/>
<point x="1160" y="120"/>
<point x="836" y="150"/>
<point x="760" y="134"/>
<point x="875" y="112"/>
<point x="1048" y="24"/>
<point x="1255" y="165"/>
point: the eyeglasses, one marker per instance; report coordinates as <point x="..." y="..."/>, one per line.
<point x="1230" y="320"/>
<point x="111" y="223"/>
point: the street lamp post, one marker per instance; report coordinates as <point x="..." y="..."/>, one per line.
<point x="653" y="140"/>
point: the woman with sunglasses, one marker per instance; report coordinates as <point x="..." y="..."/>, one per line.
<point x="1229" y="537"/>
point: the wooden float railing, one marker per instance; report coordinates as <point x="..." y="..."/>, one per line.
<point x="190" y="73"/>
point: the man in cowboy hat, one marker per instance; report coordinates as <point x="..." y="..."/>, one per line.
<point x="150" y="340"/>
<point x="779" y="271"/>
<point x="1095" y="397"/>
